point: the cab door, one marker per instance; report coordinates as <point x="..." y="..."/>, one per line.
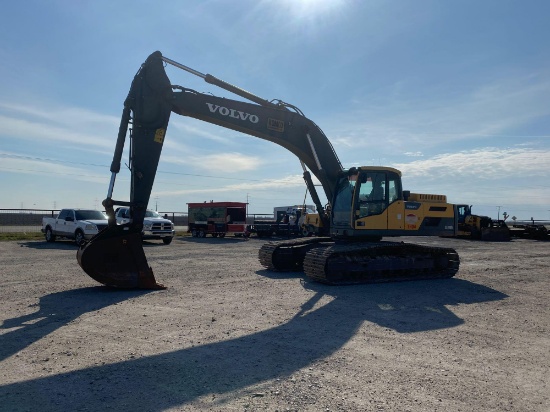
<point x="371" y="201"/>
<point x="64" y="217"/>
<point x="377" y="201"/>
<point x="70" y="223"/>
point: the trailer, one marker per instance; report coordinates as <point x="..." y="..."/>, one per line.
<point x="217" y="219"/>
<point x="531" y="230"/>
<point x="286" y="221"/>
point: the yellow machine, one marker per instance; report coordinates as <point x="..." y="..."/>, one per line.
<point x="311" y="224"/>
<point x="480" y="227"/>
<point x="380" y="210"/>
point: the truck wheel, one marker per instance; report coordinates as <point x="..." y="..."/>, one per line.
<point x="222" y="234"/>
<point x="202" y="233"/>
<point x="50" y="237"/>
<point x="194" y="233"/>
<point x="167" y="240"/>
<point x="79" y="237"/>
<point x="214" y="235"/>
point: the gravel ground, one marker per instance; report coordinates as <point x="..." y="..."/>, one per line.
<point x="229" y="336"/>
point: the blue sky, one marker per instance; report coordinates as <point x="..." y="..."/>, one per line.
<point x="454" y="94"/>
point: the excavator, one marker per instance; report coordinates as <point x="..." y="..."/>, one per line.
<point x="365" y="204"/>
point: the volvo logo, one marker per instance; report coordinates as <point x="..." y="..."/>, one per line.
<point x="236" y="114"/>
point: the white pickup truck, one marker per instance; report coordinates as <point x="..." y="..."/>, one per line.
<point x="77" y="224"/>
<point x="154" y="225"/>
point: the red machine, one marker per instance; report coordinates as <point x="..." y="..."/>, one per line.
<point x="217" y="219"/>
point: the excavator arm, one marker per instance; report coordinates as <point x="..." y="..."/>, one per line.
<point x="115" y="257"/>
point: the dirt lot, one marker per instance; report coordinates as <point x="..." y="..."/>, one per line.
<point x="228" y="335"/>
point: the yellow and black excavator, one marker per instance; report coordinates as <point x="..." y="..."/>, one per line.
<point x="364" y="205"/>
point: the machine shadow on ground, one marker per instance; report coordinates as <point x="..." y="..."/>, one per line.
<point x="59" y="245"/>
<point x="173" y="379"/>
<point x="57" y="310"/>
<point x="213" y="240"/>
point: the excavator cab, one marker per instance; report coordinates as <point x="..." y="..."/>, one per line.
<point x="362" y="200"/>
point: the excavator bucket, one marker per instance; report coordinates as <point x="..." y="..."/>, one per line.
<point x="496" y="234"/>
<point x="496" y="231"/>
<point x="115" y="257"/>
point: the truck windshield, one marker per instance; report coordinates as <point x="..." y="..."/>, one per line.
<point x="89" y="215"/>
<point x="151" y="213"/>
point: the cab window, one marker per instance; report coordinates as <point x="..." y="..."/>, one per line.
<point x="376" y="191"/>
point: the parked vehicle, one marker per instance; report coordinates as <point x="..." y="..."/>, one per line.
<point x="154" y="225"/>
<point x="217" y="219"/>
<point x="286" y="221"/>
<point x="77" y="224"/>
<point x="312" y="225"/>
<point x="480" y="227"/>
<point x="531" y="230"/>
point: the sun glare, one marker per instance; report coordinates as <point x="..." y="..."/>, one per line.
<point x="310" y="9"/>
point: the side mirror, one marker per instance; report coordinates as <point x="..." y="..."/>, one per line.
<point x="406" y="195"/>
<point x="69" y="219"/>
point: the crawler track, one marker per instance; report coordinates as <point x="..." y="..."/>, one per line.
<point x="326" y="261"/>
<point x="288" y="255"/>
<point x="375" y="262"/>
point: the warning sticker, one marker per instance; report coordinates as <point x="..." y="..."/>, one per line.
<point x="159" y="135"/>
<point x="276" y="125"/>
<point x="411" y="221"/>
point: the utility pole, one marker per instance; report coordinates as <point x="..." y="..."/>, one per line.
<point x="246" y="206"/>
<point x="498" y="215"/>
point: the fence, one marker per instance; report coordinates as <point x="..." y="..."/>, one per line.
<point x="23" y="220"/>
<point x="30" y="220"/>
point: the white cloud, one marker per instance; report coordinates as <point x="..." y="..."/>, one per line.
<point x="22" y="164"/>
<point x="407" y="124"/>
<point x="224" y="162"/>
<point x="287" y="182"/>
<point x="196" y="130"/>
<point x="58" y="124"/>
<point x="486" y="163"/>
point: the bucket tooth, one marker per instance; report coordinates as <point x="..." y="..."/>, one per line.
<point x="115" y="257"/>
